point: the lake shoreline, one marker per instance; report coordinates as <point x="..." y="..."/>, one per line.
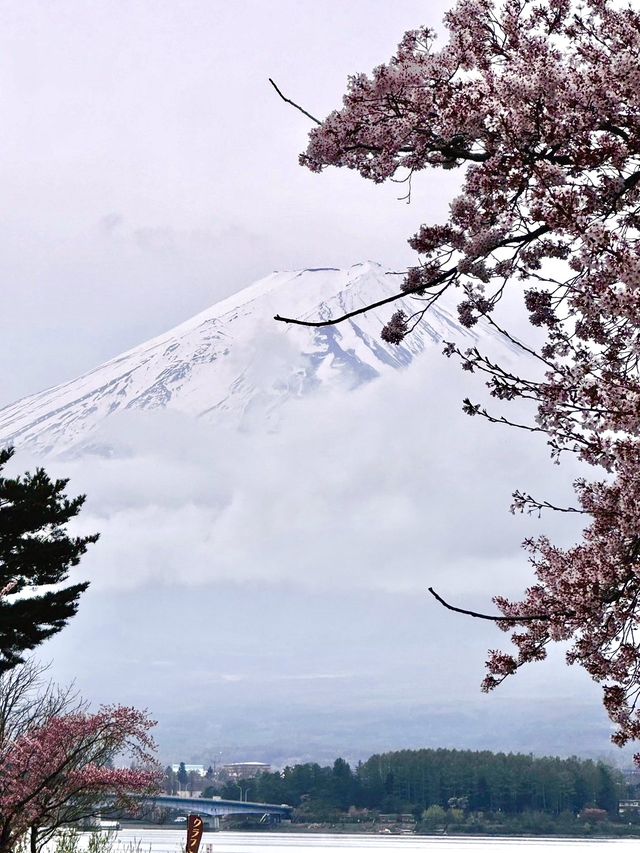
<point x="317" y="829"/>
<point x="160" y="840"/>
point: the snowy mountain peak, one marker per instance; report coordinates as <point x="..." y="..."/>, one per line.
<point x="233" y="361"/>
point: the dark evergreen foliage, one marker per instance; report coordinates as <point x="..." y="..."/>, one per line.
<point x="35" y="551"/>
<point x="182" y="775"/>
<point x="509" y="783"/>
<point x="462" y="780"/>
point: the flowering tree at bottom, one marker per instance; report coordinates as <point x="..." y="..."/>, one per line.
<point x="56" y="758"/>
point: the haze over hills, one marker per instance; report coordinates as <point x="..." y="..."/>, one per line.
<point x="234" y="361"/>
<point x="284" y="737"/>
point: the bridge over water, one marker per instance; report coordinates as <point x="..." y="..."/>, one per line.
<point x="219" y="808"/>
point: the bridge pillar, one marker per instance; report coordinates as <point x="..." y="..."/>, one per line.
<point x="214" y="823"/>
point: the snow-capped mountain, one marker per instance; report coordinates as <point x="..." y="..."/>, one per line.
<point x="234" y="361"/>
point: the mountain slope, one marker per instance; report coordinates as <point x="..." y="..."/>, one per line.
<point x="233" y="361"/>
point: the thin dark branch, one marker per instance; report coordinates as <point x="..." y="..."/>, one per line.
<point x="444" y="276"/>
<point x="293" y="103"/>
<point x="318" y="323"/>
<point x="524" y="500"/>
<point x="334" y="322"/>
<point x="517" y="342"/>
<point x="487" y="616"/>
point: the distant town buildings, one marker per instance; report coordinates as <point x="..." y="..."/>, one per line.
<point x="196" y="777"/>
<point x="629" y="807"/>
<point x="244" y="769"/>
<point x="632" y="775"/>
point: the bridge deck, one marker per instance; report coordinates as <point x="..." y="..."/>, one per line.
<point x="219" y="808"/>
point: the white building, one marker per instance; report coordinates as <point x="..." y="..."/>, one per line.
<point x="191" y="768"/>
<point x="245" y="769"/>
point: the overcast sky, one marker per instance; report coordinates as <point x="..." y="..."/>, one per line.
<point x="148" y="169"/>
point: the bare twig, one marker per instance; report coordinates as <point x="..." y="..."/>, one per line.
<point x="341" y="319"/>
<point x="419" y="289"/>
<point x="487" y="616"/>
<point x="293" y="104"/>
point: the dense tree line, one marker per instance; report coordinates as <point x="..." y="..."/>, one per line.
<point x="489" y="781"/>
<point x="414" y="780"/>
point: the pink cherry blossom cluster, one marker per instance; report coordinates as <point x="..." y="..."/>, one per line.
<point x="61" y="768"/>
<point x="541" y="104"/>
<point x="8" y="588"/>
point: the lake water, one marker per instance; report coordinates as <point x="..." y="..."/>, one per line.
<point x="173" y="841"/>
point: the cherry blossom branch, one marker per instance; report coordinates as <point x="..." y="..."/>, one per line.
<point x="8" y="588"/>
<point x="448" y="275"/>
<point x="526" y="503"/>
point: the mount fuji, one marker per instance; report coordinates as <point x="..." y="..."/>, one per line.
<point x="233" y="361"/>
